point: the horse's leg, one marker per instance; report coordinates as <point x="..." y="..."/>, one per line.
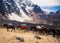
<point x="53" y="33"/>
<point x="36" y="31"/>
<point x="7" y="29"/>
<point x="33" y="30"/>
<point x="19" y="29"/>
<point x="43" y="32"/>
<point x="26" y="30"/>
<point x="46" y="32"/>
<point x="13" y="29"/>
<point x="39" y="32"/>
<point x="58" y="35"/>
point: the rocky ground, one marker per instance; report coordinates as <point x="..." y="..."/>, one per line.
<point x="10" y="37"/>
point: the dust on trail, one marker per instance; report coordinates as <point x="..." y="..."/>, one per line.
<point x="10" y="37"/>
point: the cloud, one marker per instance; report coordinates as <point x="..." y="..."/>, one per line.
<point x="47" y="10"/>
<point x="46" y="2"/>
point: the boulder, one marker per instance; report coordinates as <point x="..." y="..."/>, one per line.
<point x="37" y="37"/>
<point x="21" y="39"/>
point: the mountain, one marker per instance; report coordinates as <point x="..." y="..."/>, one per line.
<point x="54" y="18"/>
<point x="22" y="11"/>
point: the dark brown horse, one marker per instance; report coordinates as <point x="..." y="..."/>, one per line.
<point x="57" y="32"/>
<point x="9" y="26"/>
<point x="39" y="29"/>
<point x="44" y="30"/>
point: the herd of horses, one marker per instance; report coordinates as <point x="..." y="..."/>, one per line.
<point x="44" y="30"/>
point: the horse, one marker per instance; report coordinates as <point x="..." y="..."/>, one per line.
<point x="35" y="29"/>
<point x="9" y="26"/>
<point x="57" y="32"/>
<point x="23" y="27"/>
<point x="44" y="30"/>
<point x="52" y="30"/>
<point x="39" y="29"/>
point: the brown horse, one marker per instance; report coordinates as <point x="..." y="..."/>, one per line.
<point x="23" y="27"/>
<point x="9" y="26"/>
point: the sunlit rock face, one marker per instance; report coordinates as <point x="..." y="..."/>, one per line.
<point x="22" y="11"/>
<point x="13" y="16"/>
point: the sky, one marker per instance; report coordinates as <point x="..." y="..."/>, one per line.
<point x="48" y="5"/>
<point x="51" y="8"/>
<point x="46" y="2"/>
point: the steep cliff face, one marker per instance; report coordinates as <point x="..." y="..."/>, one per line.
<point x="21" y="10"/>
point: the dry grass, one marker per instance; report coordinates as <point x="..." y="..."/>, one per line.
<point x="10" y="37"/>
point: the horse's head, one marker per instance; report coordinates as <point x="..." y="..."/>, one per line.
<point x="4" y="25"/>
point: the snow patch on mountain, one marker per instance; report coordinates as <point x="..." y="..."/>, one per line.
<point x="29" y="9"/>
<point x="13" y="16"/>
